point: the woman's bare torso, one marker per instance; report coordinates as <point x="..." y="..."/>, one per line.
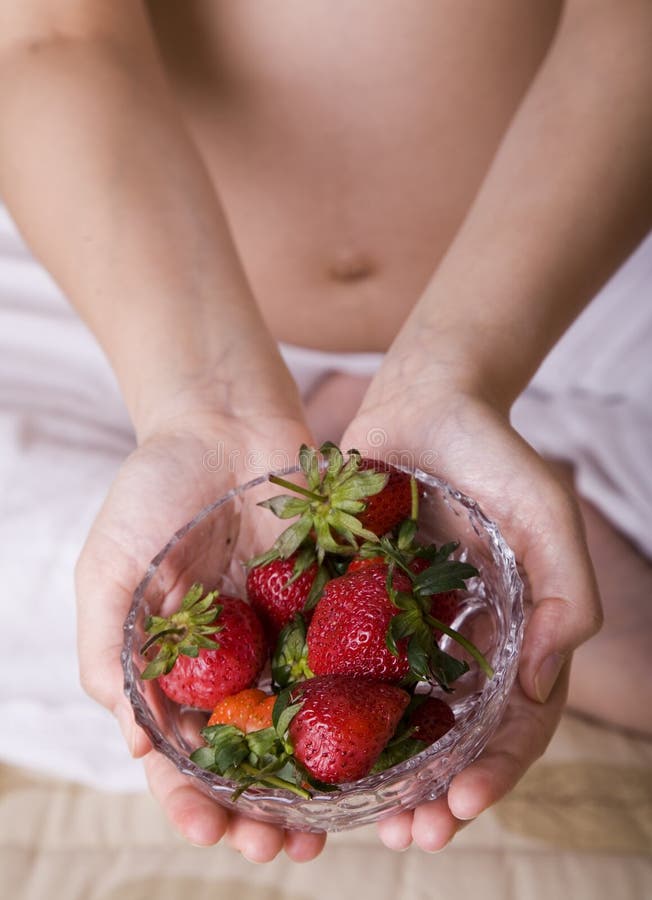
<point x="348" y="140"/>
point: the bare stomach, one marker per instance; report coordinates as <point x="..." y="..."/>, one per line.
<point x="347" y="141"/>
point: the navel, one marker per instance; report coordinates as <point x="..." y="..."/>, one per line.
<point x="351" y="267"/>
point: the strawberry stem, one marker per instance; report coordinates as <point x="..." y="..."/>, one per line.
<point x="155" y="638"/>
<point x="288" y="485"/>
<point x="414" y="492"/>
<point x="273" y="781"/>
<point x="463" y="642"/>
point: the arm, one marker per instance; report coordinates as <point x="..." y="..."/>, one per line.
<point x="566" y="198"/>
<point x="108" y="189"/>
<point x="101" y="176"/>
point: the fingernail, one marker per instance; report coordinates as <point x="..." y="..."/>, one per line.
<point x="440" y="849"/>
<point x="548" y="673"/>
<point x="126" y="725"/>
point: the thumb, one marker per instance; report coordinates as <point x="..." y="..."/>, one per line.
<point x="566" y="602"/>
<point x="101" y="606"/>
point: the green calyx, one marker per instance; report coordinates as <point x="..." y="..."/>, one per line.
<point x="290" y="660"/>
<point x="186" y="632"/>
<point x="327" y="508"/>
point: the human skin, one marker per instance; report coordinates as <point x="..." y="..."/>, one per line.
<point x="457" y="206"/>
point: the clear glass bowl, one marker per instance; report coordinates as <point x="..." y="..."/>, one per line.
<point x="213" y="549"/>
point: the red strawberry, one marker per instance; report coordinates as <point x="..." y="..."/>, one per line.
<point x="445" y="607"/>
<point x="347" y="634"/>
<point x="273" y="598"/>
<point x="362" y="628"/>
<point x="358" y="563"/>
<point x="208" y="649"/>
<point x="385" y="510"/>
<point x="431" y="720"/>
<point x="343" y="724"/>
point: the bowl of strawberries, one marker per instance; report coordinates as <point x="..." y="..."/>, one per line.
<point x="324" y="646"/>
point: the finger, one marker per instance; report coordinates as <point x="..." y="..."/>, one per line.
<point x="567" y="608"/>
<point x="434" y="825"/>
<point x="302" y="846"/>
<point x="199" y="819"/>
<point x="396" y="832"/>
<point x="259" y="842"/>
<point x="523" y="736"/>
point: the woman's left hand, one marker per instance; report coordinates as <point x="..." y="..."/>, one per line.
<point x="464" y="439"/>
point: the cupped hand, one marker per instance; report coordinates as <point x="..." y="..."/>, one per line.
<point x="464" y="439"/>
<point x="161" y="485"/>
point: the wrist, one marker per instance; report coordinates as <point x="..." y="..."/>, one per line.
<point x="444" y="365"/>
<point x="480" y="347"/>
<point x="247" y="381"/>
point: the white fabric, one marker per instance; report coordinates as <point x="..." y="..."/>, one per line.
<point x="64" y="432"/>
<point x="590" y="403"/>
<point x="309" y="367"/>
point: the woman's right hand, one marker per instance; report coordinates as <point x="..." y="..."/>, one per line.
<point x="161" y="485"/>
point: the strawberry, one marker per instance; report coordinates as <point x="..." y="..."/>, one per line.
<point x="348" y="631"/>
<point x="378" y="622"/>
<point x="444" y="606"/>
<point x="248" y="710"/>
<point x="261" y="716"/>
<point x="324" y="731"/>
<point x="342" y="725"/>
<point x="339" y="495"/>
<point x="208" y="649"/>
<point x="280" y="588"/>
<point x="431" y="720"/>
<point x="425" y="720"/>
<point x="358" y="563"/>
<point x="387" y="509"/>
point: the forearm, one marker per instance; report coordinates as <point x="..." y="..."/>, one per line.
<point x="111" y="194"/>
<point x="566" y="199"/>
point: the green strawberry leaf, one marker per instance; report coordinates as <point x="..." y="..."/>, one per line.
<point x="229" y="746"/>
<point x="444" y="668"/>
<point x="359" y="486"/>
<point x="159" y="666"/>
<point x="406" y="534"/>
<point x="292" y="538"/>
<point x="286" y="717"/>
<point x="290" y="658"/>
<point x="204" y="757"/>
<point x="263" y="558"/>
<point x="319" y="583"/>
<point x="283" y="700"/>
<point x="284" y="506"/>
<point x="334" y="461"/>
<point x="397" y="752"/>
<point x="443" y="576"/>
<point x="262" y="743"/>
<point x="309" y="462"/>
